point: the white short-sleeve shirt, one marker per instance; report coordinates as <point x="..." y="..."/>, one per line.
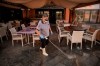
<point x="43" y="28"/>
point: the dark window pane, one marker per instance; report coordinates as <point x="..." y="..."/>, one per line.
<point x="93" y="16"/>
<point x="99" y="17"/>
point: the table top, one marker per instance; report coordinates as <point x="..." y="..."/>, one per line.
<point x="27" y="31"/>
<point x="75" y="28"/>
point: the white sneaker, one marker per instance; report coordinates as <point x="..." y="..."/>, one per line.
<point x="41" y="48"/>
<point x="44" y="52"/>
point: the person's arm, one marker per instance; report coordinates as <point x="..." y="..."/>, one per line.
<point x="38" y="28"/>
<point x="37" y="32"/>
<point x="50" y="29"/>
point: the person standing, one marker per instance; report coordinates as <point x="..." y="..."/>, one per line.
<point x="43" y="30"/>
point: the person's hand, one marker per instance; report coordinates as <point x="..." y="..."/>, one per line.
<point x="42" y="37"/>
<point x="46" y="37"/>
<point x="51" y="32"/>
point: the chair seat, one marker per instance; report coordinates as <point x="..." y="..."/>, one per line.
<point x="17" y="37"/>
<point x="63" y="34"/>
<point x="87" y="37"/>
<point x="66" y="31"/>
<point x="36" y="37"/>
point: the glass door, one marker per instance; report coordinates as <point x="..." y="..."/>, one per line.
<point x="41" y="12"/>
<point x="93" y="16"/>
<point x="87" y="16"/>
<point x="53" y="14"/>
<point x="59" y="15"/>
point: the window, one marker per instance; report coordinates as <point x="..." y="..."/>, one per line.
<point x="46" y="12"/>
<point x="80" y="15"/>
<point x="99" y="17"/>
<point x="58" y="14"/>
<point x="93" y="16"/>
<point x="39" y="15"/>
<point x="86" y="16"/>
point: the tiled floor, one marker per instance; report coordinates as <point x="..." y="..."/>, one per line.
<point x="32" y="56"/>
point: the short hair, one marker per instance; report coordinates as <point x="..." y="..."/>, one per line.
<point x="45" y="15"/>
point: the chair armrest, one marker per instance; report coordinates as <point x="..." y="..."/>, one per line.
<point x="87" y="31"/>
<point x="66" y="31"/>
<point x="69" y="35"/>
<point x="17" y="35"/>
<point x="35" y="34"/>
<point x="87" y="34"/>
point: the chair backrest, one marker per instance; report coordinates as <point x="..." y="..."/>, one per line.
<point x="65" y="21"/>
<point x="86" y="26"/>
<point x="59" y="30"/>
<point x="23" y="26"/>
<point x="10" y="21"/>
<point x="17" y="22"/>
<point x="66" y="25"/>
<point x="2" y="31"/>
<point x="9" y="25"/>
<point x="36" y="37"/>
<point x="77" y="36"/>
<point x="57" y="22"/>
<point x="32" y="23"/>
<point x="13" y="30"/>
<point x="4" y="25"/>
<point x="94" y="34"/>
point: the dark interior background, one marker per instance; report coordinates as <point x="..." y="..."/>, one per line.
<point x="7" y="14"/>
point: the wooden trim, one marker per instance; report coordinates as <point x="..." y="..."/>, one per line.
<point x="90" y="15"/>
<point x="84" y="15"/>
<point x="97" y="16"/>
<point x="86" y="4"/>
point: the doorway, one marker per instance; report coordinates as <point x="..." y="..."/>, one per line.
<point x="54" y="14"/>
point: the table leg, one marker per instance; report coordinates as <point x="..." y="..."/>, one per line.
<point x="28" y="39"/>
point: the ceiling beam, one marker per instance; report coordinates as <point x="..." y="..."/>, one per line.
<point x="14" y="4"/>
<point x="9" y="6"/>
<point x="86" y="4"/>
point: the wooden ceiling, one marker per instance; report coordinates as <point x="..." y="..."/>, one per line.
<point x="86" y="4"/>
<point x="24" y="5"/>
<point x="12" y="5"/>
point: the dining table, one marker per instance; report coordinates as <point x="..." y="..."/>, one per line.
<point x="28" y="31"/>
<point x="74" y="28"/>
